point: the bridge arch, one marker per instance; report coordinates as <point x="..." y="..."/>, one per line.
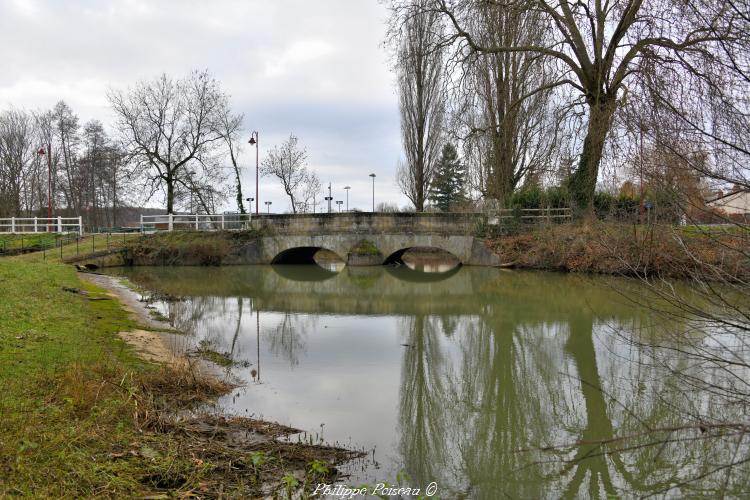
<point x="395" y="257"/>
<point x="300" y="255"/>
<point x="408" y="275"/>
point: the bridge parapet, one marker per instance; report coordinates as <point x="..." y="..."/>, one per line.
<point x="446" y="224"/>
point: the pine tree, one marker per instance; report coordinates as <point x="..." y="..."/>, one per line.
<point x="447" y="190"/>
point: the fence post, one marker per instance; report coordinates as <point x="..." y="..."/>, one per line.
<point x="12" y="225"/>
<point x="80" y="225"/>
<point x="222" y="222"/>
<point x="171" y="222"/>
<point x="196" y="222"/>
<point x="141" y="223"/>
<point x="35" y="224"/>
<point x="59" y="224"/>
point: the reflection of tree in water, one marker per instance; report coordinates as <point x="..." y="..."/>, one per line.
<point x="289" y="337"/>
<point x="509" y="389"/>
<point x="465" y="418"/>
<point x="422" y="402"/>
<point x="215" y="322"/>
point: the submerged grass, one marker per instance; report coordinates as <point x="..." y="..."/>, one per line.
<point x="83" y="417"/>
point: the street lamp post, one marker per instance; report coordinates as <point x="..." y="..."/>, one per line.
<point x="250" y="204"/>
<point x="373" y="192"/>
<point x="268" y="205"/>
<point x="347" y="196"/>
<point x="339" y="202"/>
<point x="255" y="141"/>
<point x="49" y="183"/>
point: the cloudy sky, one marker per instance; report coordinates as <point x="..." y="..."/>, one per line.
<point x="314" y="68"/>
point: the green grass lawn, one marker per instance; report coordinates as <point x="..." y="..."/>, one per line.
<point x="69" y="391"/>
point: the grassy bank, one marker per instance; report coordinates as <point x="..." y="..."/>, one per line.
<point x="185" y="248"/>
<point x="83" y="417"/>
<point x="605" y="248"/>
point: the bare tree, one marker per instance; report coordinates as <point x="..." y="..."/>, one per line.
<point x="599" y="46"/>
<point x="421" y="99"/>
<point x="309" y="193"/>
<point x="17" y="154"/>
<point x="231" y="126"/>
<point x="512" y="130"/>
<point x="287" y="164"/>
<point x="66" y="132"/>
<point x="170" y="128"/>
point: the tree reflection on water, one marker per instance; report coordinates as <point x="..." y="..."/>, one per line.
<point x="525" y="385"/>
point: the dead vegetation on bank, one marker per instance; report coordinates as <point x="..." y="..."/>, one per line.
<point x="225" y="456"/>
<point x="187" y="248"/>
<point x="181" y="448"/>
<point x="667" y="251"/>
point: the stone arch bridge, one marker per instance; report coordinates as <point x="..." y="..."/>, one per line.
<point x="362" y="239"/>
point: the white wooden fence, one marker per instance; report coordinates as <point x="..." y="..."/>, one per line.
<point x="31" y="225"/>
<point x="194" y="222"/>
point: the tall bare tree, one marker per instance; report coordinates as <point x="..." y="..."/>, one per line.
<point x="67" y="134"/>
<point x="231" y="126"/>
<point x="512" y="129"/>
<point x="421" y="99"/>
<point x="170" y="129"/>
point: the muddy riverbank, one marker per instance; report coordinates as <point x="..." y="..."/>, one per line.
<point x="249" y="456"/>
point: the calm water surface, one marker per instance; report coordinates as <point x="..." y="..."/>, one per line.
<point x="494" y="384"/>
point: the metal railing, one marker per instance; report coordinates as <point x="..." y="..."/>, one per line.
<point x="31" y="225"/>
<point x="530" y="215"/>
<point x="195" y="222"/>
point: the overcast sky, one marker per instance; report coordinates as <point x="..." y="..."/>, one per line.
<point x="314" y="68"/>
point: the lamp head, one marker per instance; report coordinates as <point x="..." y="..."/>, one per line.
<point x="252" y="141"/>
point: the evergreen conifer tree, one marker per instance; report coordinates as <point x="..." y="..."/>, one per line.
<point x="448" y="185"/>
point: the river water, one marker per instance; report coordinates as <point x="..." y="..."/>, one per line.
<point x="490" y="383"/>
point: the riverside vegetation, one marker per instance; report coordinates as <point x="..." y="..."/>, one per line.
<point x="82" y="416"/>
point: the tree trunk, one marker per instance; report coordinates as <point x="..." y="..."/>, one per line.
<point x="240" y="205"/>
<point x="420" y="174"/>
<point x="170" y="195"/>
<point x="583" y="181"/>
